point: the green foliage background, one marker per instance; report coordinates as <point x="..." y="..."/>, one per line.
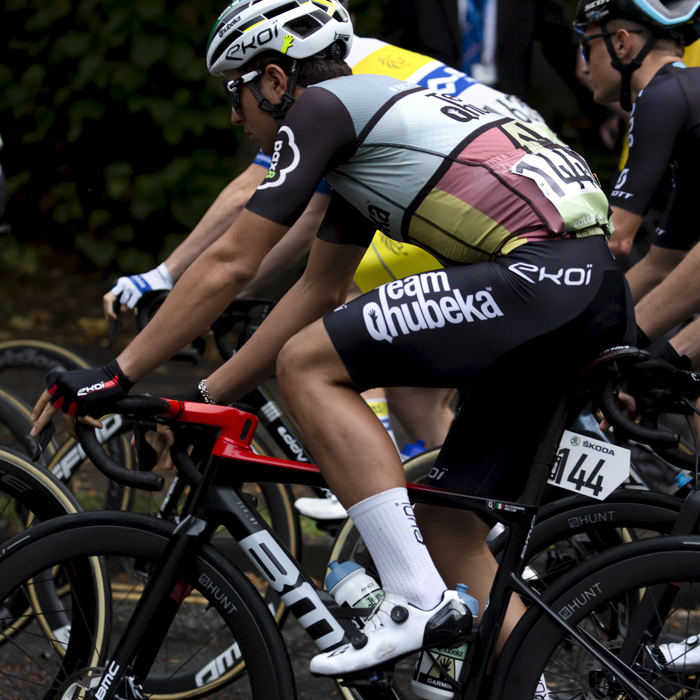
<point x="116" y="138"/>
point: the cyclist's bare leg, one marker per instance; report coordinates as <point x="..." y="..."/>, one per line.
<point x="424" y="413"/>
<point x="456" y="541"/>
<point x="350" y="445"/>
<point x="652" y="269"/>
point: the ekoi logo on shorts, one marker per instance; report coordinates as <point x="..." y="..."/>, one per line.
<point x="386" y="319"/>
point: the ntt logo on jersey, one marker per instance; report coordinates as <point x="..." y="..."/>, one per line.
<point x="403" y="307"/>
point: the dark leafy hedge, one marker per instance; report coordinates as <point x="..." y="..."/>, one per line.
<point x="116" y="138"/>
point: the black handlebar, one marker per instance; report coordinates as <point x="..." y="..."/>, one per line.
<point x="654" y="437"/>
<point x="112" y="469"/>
<point x="136" y="407"/>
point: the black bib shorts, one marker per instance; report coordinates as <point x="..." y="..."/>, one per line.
<point x="506" y="333"/>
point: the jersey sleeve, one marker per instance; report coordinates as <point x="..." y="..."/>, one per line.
<point x="344" y="224"/>
<point x="658" y="117"/>
<point x="316" y="134"/>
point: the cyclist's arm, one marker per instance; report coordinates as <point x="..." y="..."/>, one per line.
<point x="626" y="225"/>
<point x="218" y="218"/>
<point x="675" y="300"/>
<point x="687" y="343"/>
<point x="202" y="293"/>
<point x="657" y="118"/>
<point x="323" y="287"/>
<point x="229" y="264"/>
<point x="293" y="246"/>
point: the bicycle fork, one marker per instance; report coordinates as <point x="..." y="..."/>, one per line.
<point x="155" y="610"/>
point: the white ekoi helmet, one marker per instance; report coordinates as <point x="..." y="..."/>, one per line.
<point x="296" y="28"/>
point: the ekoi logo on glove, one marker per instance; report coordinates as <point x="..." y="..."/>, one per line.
<point x="285" y="159"/>
<point x="100" y="386"/>
<point x="384" y="320"/>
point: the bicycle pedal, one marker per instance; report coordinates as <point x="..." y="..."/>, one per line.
<point x="375" y="678"/>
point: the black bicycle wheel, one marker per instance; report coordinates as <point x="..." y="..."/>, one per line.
<point x="24" y="364"/>
<point x="223" y="631"/>
<point x="571" y="530"/>
<point x="28" y="495"/>
<point x="568" y="532"/>
<point x="23" y="368"/>
<point x="633" y="600"/>
<point x="15" y="424"/>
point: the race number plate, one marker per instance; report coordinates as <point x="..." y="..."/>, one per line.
<point x="565" y="180"/>
<point x="589" y="467"/>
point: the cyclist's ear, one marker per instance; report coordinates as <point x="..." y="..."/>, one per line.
<point x="275" y="79"/>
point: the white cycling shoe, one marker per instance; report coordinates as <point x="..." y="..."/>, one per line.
<point x="682" y="656"/>
<point x="321" y="508"/>
<point x="394" y="629"/>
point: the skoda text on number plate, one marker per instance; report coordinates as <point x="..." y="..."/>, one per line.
<point x="589" y="467"/>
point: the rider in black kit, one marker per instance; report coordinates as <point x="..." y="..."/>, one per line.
<point x="665" y="128"/>
<point x="633" y="51"/>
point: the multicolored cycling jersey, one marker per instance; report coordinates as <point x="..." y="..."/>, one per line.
<point x="424" y="167"/>
<point x="380" y="58"/>
<point x="265" y="161"/>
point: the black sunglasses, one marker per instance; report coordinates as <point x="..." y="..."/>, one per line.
<point x="585" y="49"/>
<point x="232" y="88"/>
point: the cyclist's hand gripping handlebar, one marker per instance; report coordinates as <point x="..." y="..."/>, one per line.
<point x="664" y="389"/>
<point x="654" y="437"/>
<point x="138" y="407"/>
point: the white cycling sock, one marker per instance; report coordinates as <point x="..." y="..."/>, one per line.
<point x="388" y="527"/>
<point x="381" y="410"/>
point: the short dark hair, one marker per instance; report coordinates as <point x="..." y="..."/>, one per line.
<point x="311" y="70"/>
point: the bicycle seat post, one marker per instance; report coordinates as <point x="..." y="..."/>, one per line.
<point x="546" y="455"/>
<point x="476" y="667"/>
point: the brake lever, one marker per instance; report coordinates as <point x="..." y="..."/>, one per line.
<point x="45" y="437"/>
<point x="115" y="324"/>
<point x="146" y="453"/>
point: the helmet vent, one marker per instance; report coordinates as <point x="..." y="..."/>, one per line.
<point x="250" y="23"/>
<point x="305" y="26"/>
<point x="281" y="10"/>
<point x="321" y="16"/>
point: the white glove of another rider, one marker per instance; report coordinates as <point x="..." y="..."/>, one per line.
<point x="129" y="290"/>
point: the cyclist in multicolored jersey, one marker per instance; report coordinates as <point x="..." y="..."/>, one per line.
<point x="633" y="50"/>
<point x="424" y="413"/>
<point x="531" y="293"/>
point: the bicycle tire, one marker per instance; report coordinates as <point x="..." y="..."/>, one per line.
<point x="224" y="589"/>
<point x="15" y="424"/>
<point x="22" y="361"/>
<point x="23" y="368"/>
<point x="583" y="597"/>
<point x="30" y="494"/>
<point x="568" y="531"/>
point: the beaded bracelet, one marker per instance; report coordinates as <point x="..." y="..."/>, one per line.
<point x="203" y="391"/>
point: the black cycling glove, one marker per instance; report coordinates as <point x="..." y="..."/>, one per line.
<point x="670" y="355"/>
<point x="87" y="391"/>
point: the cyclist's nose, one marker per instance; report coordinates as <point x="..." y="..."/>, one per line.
<point x="235" y="118"/>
